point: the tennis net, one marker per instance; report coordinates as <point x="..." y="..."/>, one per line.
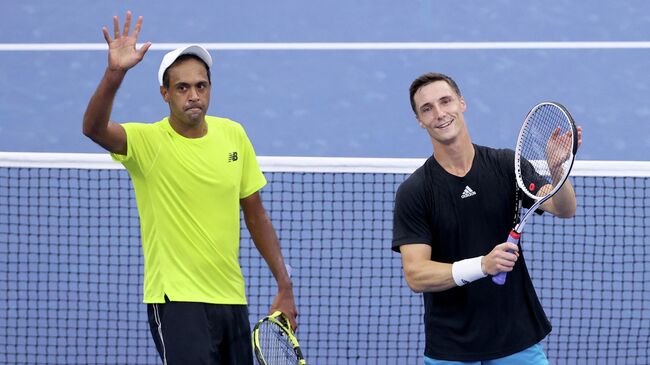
<point x="71" y="263"/>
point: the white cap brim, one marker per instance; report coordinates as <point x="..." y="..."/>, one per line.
<point x="170" y="57"/>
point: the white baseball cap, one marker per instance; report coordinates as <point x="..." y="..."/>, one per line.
<point x="170" y="57"/>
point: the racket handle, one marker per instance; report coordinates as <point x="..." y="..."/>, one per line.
<point x="500" y="278"/>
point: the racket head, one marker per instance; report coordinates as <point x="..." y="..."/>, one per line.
<point x="546" y="145"/>
<point x="274" y="342"/>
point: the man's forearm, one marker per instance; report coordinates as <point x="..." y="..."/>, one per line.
<point x="268" y="245"/>
<point x="99" y="108"/>
<point x="564" y="201"/>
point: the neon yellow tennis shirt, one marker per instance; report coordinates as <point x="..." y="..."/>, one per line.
<point x="187" y="192"/>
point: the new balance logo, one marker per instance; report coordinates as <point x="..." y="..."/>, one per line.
<point x="232" y="156"/>
<point x="467" y="192"/>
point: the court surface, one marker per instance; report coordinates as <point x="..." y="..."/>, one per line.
<point x="328" y="84"/>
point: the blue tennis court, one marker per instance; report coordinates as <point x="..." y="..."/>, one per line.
<point x="339" y="102"/>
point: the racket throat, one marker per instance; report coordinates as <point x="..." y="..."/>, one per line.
<point x="515" y="234"/>
<point x="518" y="228"/>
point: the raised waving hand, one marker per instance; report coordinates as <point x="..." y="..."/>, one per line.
<point x="122" y="54"/>
<point x="558" y="150"/>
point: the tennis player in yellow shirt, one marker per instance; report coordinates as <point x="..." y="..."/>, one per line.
<point x="191" y="173"/>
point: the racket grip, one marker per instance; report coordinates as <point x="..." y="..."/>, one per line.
<point x="500" y="278"/>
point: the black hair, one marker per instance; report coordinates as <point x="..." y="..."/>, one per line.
<point x="426" y="79"/>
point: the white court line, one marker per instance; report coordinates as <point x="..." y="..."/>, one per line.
<point x="340" y="46"/>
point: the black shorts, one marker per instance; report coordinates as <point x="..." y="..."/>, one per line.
<point x="189" y="333"/>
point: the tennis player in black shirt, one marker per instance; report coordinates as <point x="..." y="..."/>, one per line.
<point x="451" y="218"/>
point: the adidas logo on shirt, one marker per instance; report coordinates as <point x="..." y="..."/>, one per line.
<point x="467" y="192"/>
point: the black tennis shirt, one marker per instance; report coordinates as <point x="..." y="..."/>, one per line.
<point x="460" y="218"/>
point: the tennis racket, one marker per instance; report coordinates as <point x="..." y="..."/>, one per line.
<point x="274" y="342"/>
<point x="544" y="155"/>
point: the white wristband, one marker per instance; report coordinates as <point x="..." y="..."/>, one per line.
<point x="466" y="271"/>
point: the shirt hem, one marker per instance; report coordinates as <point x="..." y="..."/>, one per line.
<point x="485" y="356"/>
<point x="181" y="298"/>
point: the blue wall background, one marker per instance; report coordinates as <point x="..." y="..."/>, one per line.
<point x="338" y="102"/>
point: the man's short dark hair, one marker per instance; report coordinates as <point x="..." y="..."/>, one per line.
<point x="180" y="59"/>
<point x="426" y="79"/>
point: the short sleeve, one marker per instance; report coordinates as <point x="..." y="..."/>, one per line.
<point x="507" y="163"/>
<point x="536" y="182"/>
<point x="252" y="177"/>
<point x="134" y="139"/>
<point x="411" y="216"/>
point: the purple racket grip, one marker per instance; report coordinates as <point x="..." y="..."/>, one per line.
<point x="500" y="278"/>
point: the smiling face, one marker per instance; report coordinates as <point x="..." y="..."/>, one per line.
<point x="188" y="94"/>
<point x="440" y="110"/>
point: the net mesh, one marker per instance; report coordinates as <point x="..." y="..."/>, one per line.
<point x="71" y="268"/>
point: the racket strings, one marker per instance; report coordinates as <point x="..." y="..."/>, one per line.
<point x="275" y="344"/>
<point x="546" y="144"/>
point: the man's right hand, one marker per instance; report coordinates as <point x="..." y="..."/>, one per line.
<point x="501" y="259"/>
<point x="122" y="54"/>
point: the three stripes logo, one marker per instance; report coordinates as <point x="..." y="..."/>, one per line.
<point x="232" y="156"/>
<point x="467" y="192"/>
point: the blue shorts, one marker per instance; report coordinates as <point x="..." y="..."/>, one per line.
<point x="533" y="355"/>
